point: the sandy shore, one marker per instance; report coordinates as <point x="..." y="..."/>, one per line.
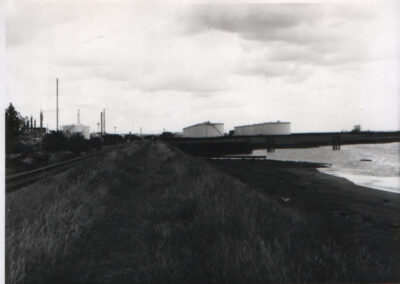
<point x="334" y="204"/>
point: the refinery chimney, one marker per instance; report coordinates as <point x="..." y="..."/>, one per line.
<point x="41" y="119"/>
<point x="57" y="103"/>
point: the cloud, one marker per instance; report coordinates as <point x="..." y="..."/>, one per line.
<point x="285" y="39"/>
<point x="295" y="23"/>
<point x="26" y="20"/>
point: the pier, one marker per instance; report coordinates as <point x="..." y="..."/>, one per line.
<point x="232" y="145"/>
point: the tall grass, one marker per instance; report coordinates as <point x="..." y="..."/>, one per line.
<point x="44" y="220"/>
<point x="159" y="216"/>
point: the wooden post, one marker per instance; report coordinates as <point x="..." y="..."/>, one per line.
<point x="271" y="144"/>
<point x="336" y="142"/>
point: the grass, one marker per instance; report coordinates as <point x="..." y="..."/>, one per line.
<point x="150" y="214"/>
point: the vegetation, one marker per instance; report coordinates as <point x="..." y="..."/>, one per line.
<point x="58" y="141"/>
<point x="15" y="124"/>
<point x="112" y="139"/>
<point x="150" y="214"/>
<point x="55" y="141"/>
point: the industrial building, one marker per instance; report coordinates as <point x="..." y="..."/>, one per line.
<point x="72" y="129"/>
<point x="204" y="129"/>
<point x="266" y="128"/>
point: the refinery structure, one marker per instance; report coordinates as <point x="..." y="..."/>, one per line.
<point x="73" y="129"/>
<point x="266" y="128"/>
<point x="78" y="128"/>
<point x="204" y="129"/>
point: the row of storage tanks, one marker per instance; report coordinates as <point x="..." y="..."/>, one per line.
<point x="209" y="129"/>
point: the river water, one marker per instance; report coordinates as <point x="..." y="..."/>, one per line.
<point x="380" y="168"/>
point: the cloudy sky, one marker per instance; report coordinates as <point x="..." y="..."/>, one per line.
<point x="322" y="66"/>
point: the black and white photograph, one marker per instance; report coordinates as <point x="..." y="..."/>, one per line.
<point x="199" y="141"/>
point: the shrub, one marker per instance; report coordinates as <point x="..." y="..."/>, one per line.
<point x="55" y="141"/>
<point x="95" y="142"/>
<point x="78" y="144"/>
<point x="112" y="139"/>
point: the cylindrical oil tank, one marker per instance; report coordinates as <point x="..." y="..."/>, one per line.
<point x="77" y="129"/>
<point x="267" y="128"/>
<point x="205" y="129"/>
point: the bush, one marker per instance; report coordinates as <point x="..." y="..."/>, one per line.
<point x="77" y="144"/>
<point x="112" y="139"/>
<point x="24" y="148"/>
<point x="55" y="141"/>
<point x="95" y="142"/>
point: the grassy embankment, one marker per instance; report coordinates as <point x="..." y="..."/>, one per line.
<point x="150" y="214"/>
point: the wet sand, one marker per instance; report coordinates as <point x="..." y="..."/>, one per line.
<point x="336" y="206"/>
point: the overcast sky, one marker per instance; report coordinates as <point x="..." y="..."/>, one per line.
<point x="323" y="67"/>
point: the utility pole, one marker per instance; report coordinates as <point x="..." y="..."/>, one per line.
<point x="104" y="118"/>
<point x="101" y="123"/>
<point x="57" y="101"/>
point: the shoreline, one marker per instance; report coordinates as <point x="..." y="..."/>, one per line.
<point x="387" y="184"/>
<point x="363" y="165"/>
<point x="333" y="203"/>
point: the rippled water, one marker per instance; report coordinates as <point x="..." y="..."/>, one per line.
<point x="382" y="172"/>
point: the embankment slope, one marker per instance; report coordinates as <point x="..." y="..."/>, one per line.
<point x="150" y="214"/>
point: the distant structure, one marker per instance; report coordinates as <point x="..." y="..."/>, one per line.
<point x="30" y="129"/>
<point x="103" y="122"/>
<point x="72" y="129"/>
<point x="266" y="128"/>
<point x="204" y="129"/>
<point x="41" y="119"/>
<point x="357" y="128"/>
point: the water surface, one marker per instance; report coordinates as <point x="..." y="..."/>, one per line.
<point x="380" y="168"/>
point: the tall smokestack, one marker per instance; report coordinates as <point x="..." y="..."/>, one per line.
<point x="31" y="122"/>
<point x="41" y="119"/>
<point x="57" y="101"/>
<point x="34" y="123"/>
<point x="104" y="118"/>
<point x="79" y="119"/>
<point x="101" y="123"/>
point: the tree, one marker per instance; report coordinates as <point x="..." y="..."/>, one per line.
<point x="14" y="122"/>
<point x="14" y="127"/>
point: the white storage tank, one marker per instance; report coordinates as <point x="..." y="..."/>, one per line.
<point x="205" y="129"/>
<point x="266" y="128"/>
<point x="72" y="129"/>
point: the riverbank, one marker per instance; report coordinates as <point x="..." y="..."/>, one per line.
<point x="150" y="214"/>
<point x="333" y="204"/>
